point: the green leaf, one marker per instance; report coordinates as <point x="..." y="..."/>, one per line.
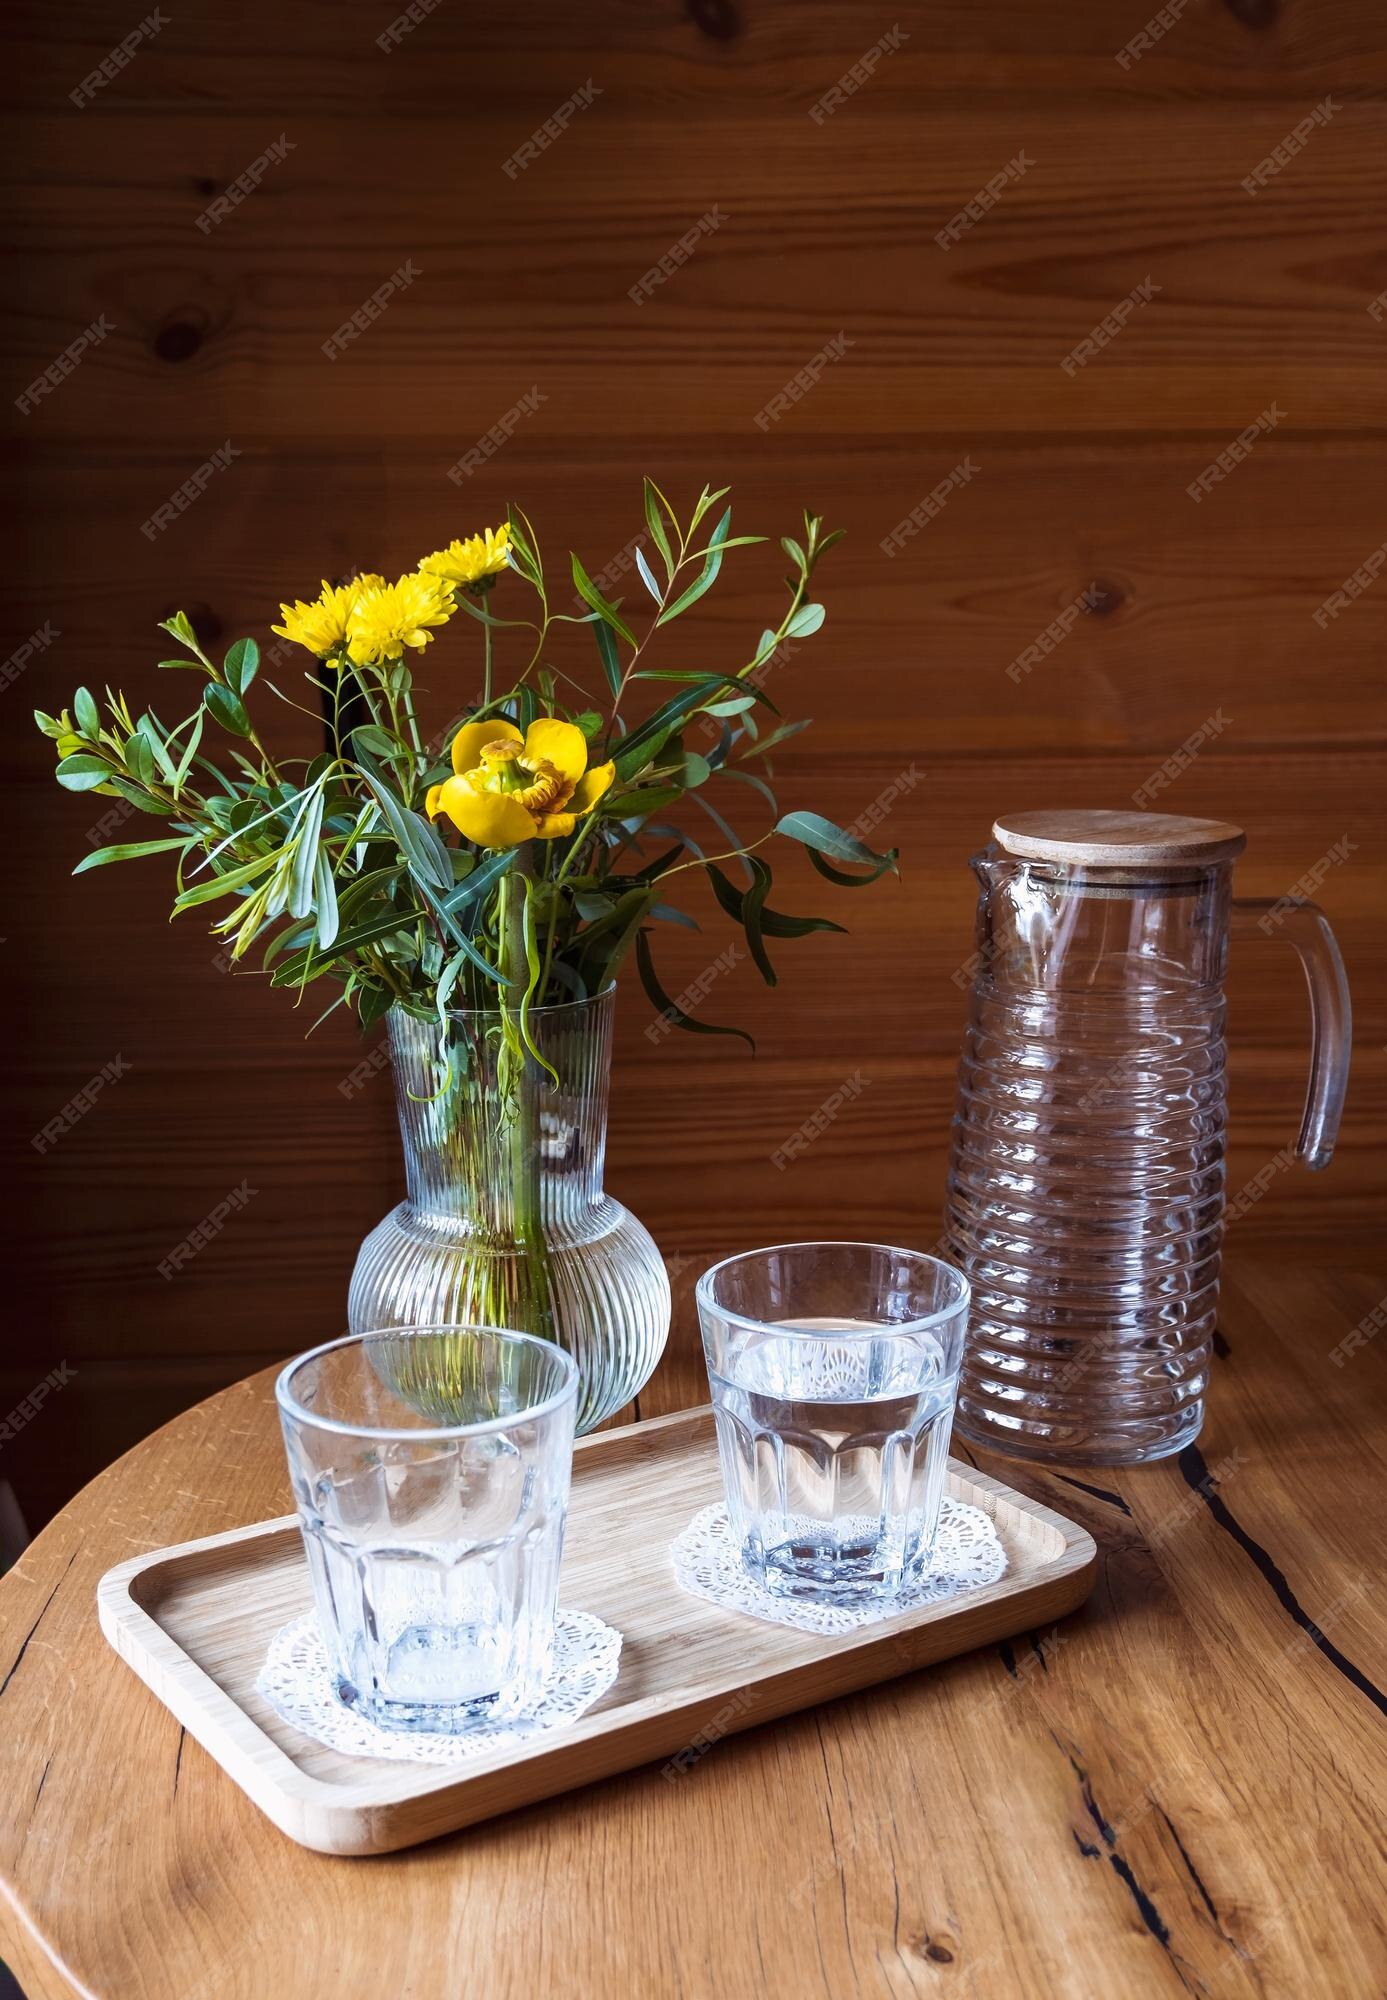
<point x="606" y="611"/>
<point x="824" y="837"/>
<point x="665" y="913"/>
<point x="793" y="551"/>
<point x="634" y="805"/>
<point x="611" y="664"/>
<point x="707" y="576"/>
<point x="752" y="903"/>
<point x="375" y="742"/>
<point x="130" y="850"/>
<point x="417" y="840"/>
<point x="189" y="752"/>
<point x="635" y="754"/>
<point x="523" y="557"/>
<point x="647" y="578"/>
<point x="654" y="501"/>
<point x="705" y="501"/>
<point x="659" y="727"/>
<point x="669" y="1009"/>
<point x="139" y="759"/>
<point x="136" y="797"/>
<point x="222" y="885"/>
<point x="361" y="889"/>
<point x="242" y="659"/>
<point x="653" y="870"/>
<point x="774" y="923"/>
<point x="373" y="1003"/>
<point x="82" y="772"/>
<point x="455" y="931"/>
<point x="782" y="734"/>
<point x="87" y="713"/>
<point x="221" y="703"/>
<point x="592" y="904"/>
<point x="606" y="942"/>
<point x="482" y="878"/>
<point x="325" y="896"/>
<point x="149" y="729"/>
<point x="179" y="627"/>
<point x="306" y="858"/>
<point x="707" y="679"/>
<point x="294" y="969"/>
<point x="807" y="619"/>
<point x="846" y="881"/>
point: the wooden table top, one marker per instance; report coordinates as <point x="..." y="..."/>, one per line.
<point x="1176" y="1791"/>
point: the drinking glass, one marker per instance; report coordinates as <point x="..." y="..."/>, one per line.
<point x="430" y="1467"/>
<point x="833" y="1369"/>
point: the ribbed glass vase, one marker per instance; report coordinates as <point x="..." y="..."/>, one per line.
<point x="505" y="1222"/>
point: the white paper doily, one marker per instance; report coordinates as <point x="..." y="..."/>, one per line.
<point x="300" y="1687"/>
<point x="708" y="1562"/>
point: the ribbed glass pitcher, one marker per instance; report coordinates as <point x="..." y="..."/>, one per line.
<point x="1086" y="1189"/>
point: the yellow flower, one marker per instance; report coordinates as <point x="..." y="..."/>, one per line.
<point x="465" y="564"/>
<point x="322" y="625"/>
<point x="387" y="617"/>
<point x="508" y="788"/>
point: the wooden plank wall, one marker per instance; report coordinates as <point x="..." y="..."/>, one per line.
<point x="1126" y="171"/>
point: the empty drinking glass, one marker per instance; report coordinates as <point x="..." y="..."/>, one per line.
<point x="430" y="1466"/>
<point x="833" y="1369"/>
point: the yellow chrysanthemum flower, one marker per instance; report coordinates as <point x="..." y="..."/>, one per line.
<point x="466" y="564"/>
<point x="508" y="789"/>
<point x="322" y="625"/>
<point x="388" y="617"/>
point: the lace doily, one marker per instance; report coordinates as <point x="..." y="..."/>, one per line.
<point x="300" y="1686"/>
<point x="708" y="1562"/>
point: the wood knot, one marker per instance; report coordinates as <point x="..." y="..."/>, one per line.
<point x="720" y="20"/>
<point x="935" y="1950"/>
<point x="1102" y="597"/>
<point x="1261" y="14"/>
<point x="177" y="340"/>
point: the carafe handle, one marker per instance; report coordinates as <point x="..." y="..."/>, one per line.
<point x="1305" y="926"/>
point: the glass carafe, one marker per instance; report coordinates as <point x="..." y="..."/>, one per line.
<point x="1086" y="1187"/>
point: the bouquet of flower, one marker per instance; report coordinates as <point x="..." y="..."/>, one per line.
<point x="468" y="888"/>
<point x="509" y="867"/>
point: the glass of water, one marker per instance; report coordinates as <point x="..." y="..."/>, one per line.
<point x="430" y="1467"/>
<point x="833" y="1369"/>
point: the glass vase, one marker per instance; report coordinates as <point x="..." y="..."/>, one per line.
<point x="505" y="1221"/>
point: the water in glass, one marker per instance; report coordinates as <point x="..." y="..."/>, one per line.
<point x="433" y="1548"/>
<point x="833" y="1427"/>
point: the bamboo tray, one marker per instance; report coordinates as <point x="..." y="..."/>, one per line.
<point x="195" y="1622"/>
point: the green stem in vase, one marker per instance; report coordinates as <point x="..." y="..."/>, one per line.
<point x="523" y="1081"/>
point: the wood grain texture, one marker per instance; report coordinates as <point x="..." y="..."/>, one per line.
<point x="195" y="1624"/>
<point x="1200" y="609"/>
<point x="1175" y="1791"/>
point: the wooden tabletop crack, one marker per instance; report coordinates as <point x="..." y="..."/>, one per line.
<point x="14" y="1668"/>
<point x="1202" y="1482"/>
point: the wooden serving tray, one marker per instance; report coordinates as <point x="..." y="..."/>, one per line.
<point x="195" y="1623"/>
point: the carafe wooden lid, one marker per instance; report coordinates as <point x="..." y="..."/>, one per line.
<point x="1117" y="839"/>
